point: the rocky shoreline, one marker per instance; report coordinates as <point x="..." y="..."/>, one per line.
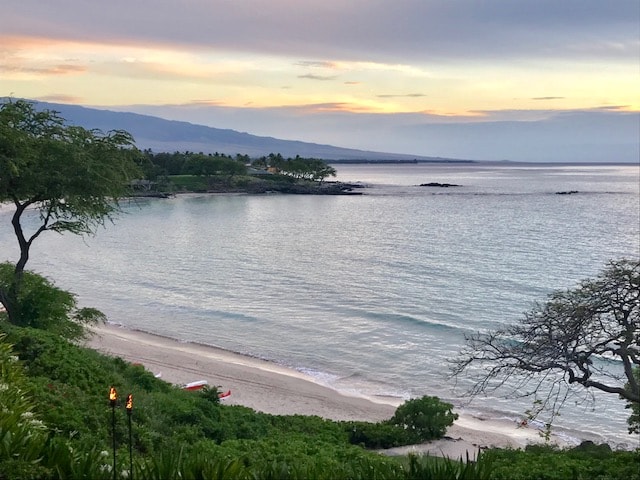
<point x="327" y="188"/>
<point x="257" y="188"/>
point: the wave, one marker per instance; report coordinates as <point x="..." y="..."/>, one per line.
<point x="191" y="310"/>
<point x="403" y="319"/>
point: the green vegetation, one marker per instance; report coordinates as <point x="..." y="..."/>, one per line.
<point x="197" y="172"/>
<point x="587" y="461"/>
<point x="56" y="420"/>
<point x="23" y="436"/>
<point x="40" y="304"/>
<point x="56" y="423"/>
<point x="299" y="168"/>
<point x="61" y="388"/>
<point x="425" y="418"/>
<point x="73" y="177"/>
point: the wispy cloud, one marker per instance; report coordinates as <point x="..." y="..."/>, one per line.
<point x="401" y="95"/>
<point x="44" y="69"/>
<point x="616" y="108"/>
<point x="324" y="78"/>
<point x="315" y="64"/>
<point x="60" y="98"/>
<point x="534" y="135"/>
<point x="332" y="107"/>
<point x="548" y="98"/>
<point x="203" y="103"/>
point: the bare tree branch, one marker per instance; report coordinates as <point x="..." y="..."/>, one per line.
<point x="588" y="336"/>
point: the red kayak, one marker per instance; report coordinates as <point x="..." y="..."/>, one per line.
<point x="194" y="385"/>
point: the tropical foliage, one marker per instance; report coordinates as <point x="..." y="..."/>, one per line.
<point x="57" y="413"/>
<point x="40" y="304"/>
<point x="22" y="435"/>
<point x="71" y="176"/>
<point x="218" y="170"/>
<point x="426" y="418"/>
<point x="587" y="461"/>
<point x="300" y="168"/>
<point x="57" y="421"/>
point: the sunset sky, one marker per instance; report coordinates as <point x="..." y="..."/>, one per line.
<point x="492" y="79"/>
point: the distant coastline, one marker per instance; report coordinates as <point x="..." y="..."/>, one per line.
<point x="365" y="161"/>
<point x="492" y="163"/>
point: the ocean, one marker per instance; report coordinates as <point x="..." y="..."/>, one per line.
<point x="370" y="294"/>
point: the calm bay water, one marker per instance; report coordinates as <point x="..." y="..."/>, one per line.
<point x="370" y="293"/>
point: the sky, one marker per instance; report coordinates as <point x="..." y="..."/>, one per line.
<point x="527" y="80"/>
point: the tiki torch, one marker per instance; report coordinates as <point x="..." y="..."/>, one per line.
<point x="113" y="397"/>
<point x="129" y="407"/>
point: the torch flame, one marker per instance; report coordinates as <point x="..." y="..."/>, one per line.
<point x="129" y="405"/>
<point x="113" y="395"/>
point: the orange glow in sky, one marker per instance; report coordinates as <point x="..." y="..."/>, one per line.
<point x="278" y="69"/>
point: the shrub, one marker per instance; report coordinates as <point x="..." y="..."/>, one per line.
<point x="426" y="417"/>
<point x="319" y="428"/>
<point x="421" y="468"/>
<point x="44" y="306"/>
<point x="22" y="435"/>
<point x="378" y="435"/>
<point x="549" y="463"/>
<point x="211" y="394"/>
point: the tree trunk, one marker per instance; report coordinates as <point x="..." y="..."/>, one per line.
<point x="9" y="295"/>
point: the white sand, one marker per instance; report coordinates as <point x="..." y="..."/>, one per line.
<point x="270" y="388"/>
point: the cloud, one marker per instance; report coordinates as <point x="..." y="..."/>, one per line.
<point x="615" y="108"/>
<point x="60" y="98"/>
<point x="203" y="103"/>
<point x="315" y="64"/>
<point x="403" y="95"/>
<point x="315" y="108"/>
<point x="355" y="30"/>
<point x="439" y="62"/>
<point x="323" y="78"/>
<point x="61" y="69"/>
<point x="588" y="135"/>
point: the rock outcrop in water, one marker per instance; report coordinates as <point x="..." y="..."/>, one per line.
<point x="327" y="188"/>
<point x="440" y="185"/>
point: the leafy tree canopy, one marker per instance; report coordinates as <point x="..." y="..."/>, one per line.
<point x="299" y="168"/>
<point x="73" y="177"/>
<point x="427" y="417"/>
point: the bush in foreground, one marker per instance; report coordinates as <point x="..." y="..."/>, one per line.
<point x="181" y="434"/>
<point x="588" y="462"/>
<point x="426" y="418"/>
<point x="415" y="421"/>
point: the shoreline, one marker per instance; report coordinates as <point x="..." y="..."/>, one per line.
<point x="272" y="388"/>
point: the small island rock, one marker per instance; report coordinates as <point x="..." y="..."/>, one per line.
<point x="441" y="185"/>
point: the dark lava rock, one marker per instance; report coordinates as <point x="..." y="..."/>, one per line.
<point x="440" y="185"/>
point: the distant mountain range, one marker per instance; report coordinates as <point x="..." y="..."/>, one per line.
<point x="162" y="135"/>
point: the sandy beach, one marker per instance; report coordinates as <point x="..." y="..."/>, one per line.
<point x="271" y="388"/>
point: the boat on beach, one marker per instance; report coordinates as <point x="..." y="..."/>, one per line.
<point x="200" y="384"/>
<point x="197" y="385"/>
